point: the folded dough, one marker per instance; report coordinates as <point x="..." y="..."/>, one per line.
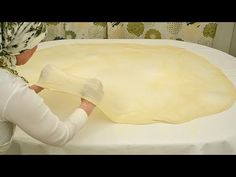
<point x="54" y="79"/>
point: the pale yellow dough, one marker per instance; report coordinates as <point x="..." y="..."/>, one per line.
<point x="143" y="83"/>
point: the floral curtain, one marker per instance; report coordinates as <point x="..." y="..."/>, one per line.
<point x="76" y="30"/>
<point x="196" y="32"/>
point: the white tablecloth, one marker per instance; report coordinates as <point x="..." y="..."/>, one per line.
<point x="215" y="134"/>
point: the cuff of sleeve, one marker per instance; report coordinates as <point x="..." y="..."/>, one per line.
<point x="78" y="117"/>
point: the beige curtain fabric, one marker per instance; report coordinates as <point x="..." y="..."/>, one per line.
<point x="196" y="32"/>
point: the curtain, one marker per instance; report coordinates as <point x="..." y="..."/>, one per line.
<point x="196" y="32"/>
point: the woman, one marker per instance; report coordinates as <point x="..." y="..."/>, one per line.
<point x="19" y="103"/>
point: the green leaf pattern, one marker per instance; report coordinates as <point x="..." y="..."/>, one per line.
<point x="203" y="32"/>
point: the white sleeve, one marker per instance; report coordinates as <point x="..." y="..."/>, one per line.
<point x="28" y="111"/>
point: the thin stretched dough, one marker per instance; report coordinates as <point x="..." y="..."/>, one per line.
<point x="142" y="83"/>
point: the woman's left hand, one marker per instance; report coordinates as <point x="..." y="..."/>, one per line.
<point x="36" y="88"/>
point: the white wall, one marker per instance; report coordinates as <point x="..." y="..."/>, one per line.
<point x="232" y="50"/>
<point x="223" y="37"/>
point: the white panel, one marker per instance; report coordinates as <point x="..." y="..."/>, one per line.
<point x="223" y="36"/>
<point x="233" y="42"/>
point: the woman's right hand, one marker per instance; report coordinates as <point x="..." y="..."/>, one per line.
<point x="92" y="90"/>
<point x="87" y="106"/>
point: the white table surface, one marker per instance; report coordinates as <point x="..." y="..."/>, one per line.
<point x="215" y="134"/>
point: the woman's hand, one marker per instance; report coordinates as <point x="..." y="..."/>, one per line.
<point x="36" y="88"/>
<point x="92" y="90"/>
<point x="87" y="106"/>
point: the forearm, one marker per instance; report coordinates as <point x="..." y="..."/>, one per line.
<point x="36" y="119"/>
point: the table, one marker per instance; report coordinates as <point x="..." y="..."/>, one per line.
<point x="215" y="134"/>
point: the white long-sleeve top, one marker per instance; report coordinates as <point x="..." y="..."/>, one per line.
<point x="21" y="106"/>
